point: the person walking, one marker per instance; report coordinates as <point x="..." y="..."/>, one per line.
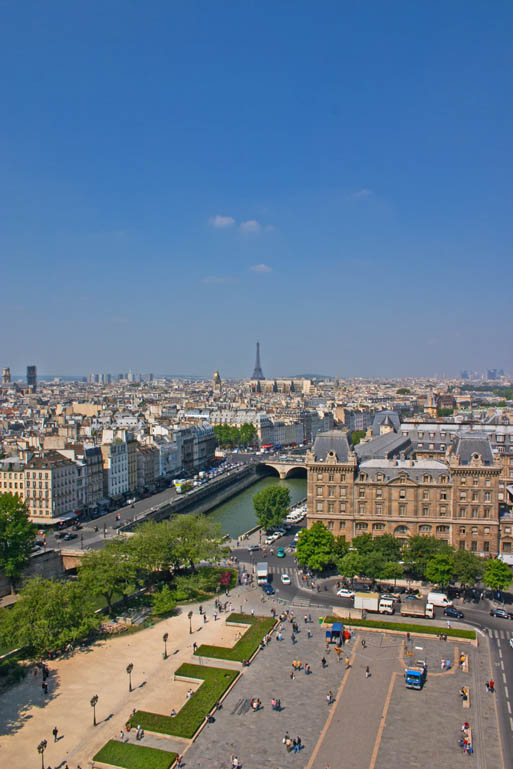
<point x="55" y="732"/>
<point x="299" y="744"/>
<point x="215" y="616"/>
<point x="323" y="662"/>
<point x="442" y="665"/>
<point x="293" y="638"/>
<point x="329" y="697"/>
<point x="121" y="736"/>
<point x="367" y="672"/>
<point x="347" y="663"/>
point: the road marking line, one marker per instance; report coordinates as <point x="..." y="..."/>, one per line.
<point x="511" y="723"/>
<point x="382" y="722"/>
<point x="506" y="690"/>
<point x="509" y="707"/>
<point x="500" y="652"/>
<point x="502" y="664"/>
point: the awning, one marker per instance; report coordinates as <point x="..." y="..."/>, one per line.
<point x="510" y="489"/>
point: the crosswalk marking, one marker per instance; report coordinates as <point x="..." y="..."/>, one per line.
<point x="499" y="634"/>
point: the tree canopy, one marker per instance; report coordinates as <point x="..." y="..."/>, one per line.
<point x="316" y="547"/>
<point x="440" y="568"/>
<point x="271" y="505"/>
<point x="108" y="571"/>
<point x="497" y="574"/>
<point x="356" y="436"/>
<point x="49" y="615"/>
<point x="17" y="536"/>
<point x="229" y="435"/>
<point x="468" y="568"/>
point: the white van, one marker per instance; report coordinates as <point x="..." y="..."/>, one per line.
<point x="438" y="599"/>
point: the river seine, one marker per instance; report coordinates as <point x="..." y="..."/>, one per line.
<point x="237" y="515"/>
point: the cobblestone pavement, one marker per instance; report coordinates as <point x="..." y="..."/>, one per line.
<point x="374" y="723"/>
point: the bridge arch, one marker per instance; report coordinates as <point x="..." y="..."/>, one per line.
<point x="296" y="472"/>
<point x="262" y="470"/>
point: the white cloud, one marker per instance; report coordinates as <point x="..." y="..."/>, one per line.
<point x="250" y="226"/>
<point x="221" y="222"/>
<point x="217" y="280"/>
<point x="261" y="268"/>
<point x="361" y="194"/>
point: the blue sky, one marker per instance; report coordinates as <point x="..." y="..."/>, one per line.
<point x="180" y="179"/>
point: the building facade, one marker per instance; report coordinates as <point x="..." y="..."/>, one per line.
<point x="454" y="499"/>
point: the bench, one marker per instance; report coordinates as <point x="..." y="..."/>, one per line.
<point x="466" y="701"/>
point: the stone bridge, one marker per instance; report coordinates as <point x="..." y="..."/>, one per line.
<point x="71" y="558"/>
<point x="284" y="468"/>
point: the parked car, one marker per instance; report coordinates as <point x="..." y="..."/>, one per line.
<point x="69" y="536"/>
<point x="268" y="588"/>
<point x="450" y="611"/>
<point x="285" y="579"/>
<point x="501" y="613"/>
<point x="344" y="592"/>
<point x="280" y="552"/>
<point x="252" y="548"/>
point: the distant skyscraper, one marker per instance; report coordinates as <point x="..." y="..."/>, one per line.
<point x="32" y="377"/>
<point x="258" y="373"/>
<point x="6" y="376"/>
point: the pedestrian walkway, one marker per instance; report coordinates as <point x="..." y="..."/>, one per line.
<point x="502" y="634"/>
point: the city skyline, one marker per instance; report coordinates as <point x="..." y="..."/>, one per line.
<point x="336" y="184"/>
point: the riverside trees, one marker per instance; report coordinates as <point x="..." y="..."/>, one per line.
<point x="17" y="537"/>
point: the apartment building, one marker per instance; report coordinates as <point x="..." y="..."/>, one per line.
<point x="454" y="499"/>
<point x="115" y="468"/>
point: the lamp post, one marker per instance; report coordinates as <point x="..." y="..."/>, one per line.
<point x="164" y="638"/>
<point x="41" y="750"/>
<point x="129" y="669"/>
<point x="190" y="622"/>
<point x="94" y="702"/>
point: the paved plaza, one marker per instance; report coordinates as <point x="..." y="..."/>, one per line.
<point x="373" y="723"/>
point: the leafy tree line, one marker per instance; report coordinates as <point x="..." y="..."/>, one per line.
<point x="229" y="436"/>
<point x="52" y="613"/>
<point x="386" y="558"/>
<point x="356" y="436"/>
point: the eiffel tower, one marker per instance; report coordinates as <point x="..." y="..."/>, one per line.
<point x="258" y="373"/>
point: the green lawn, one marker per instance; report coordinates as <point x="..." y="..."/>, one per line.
<point x="245" y="646"/>
<point x="403" y="627"/>
<point x="131" y="756"/>
<point x="215" y="682"/>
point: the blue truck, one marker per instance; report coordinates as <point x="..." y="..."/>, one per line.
<point x="414" y="678"/>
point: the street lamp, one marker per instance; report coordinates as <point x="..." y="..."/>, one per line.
<point x="164" y="638"/>
<point x="190" y="622"/>
<point x="41" y="750"/>
<point x="94" y="702"/>
<point x="129" y="669"/>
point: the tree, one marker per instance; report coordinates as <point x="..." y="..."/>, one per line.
<point x="108" y="571"/>
<point x="392" y="570"/>
<point x="316" y="547"/>
<point x="389" y="547"/>
<point x="248" y="434"/>
<point x="440" y="568"/>
<point x="356" y="436"/>
<point x="373" y="564"/>
<point x="340" y="548"/>
<point x="195" y="538"/>
<point x="444" y="412"/>
<point x="271" y="505"/>
<point x="17" y="535"/>
<point x="403" y="391"/>
<point x="468" y="568"/>
<point x="364" y="544"/>
<point x="153" y="547"/>
<point x="49" y="615"/>
<point x="497" y="574"/>
<point x="351" y="565"/>
<point x="163" y="601"/>
<point x="419" y="550"/>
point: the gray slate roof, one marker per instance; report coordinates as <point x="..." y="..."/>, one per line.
<point x="415" y="470"/>
<point x="332" y="441"/>
<point x="472" y="443"/>
<point x="390" y="418"/>
<point x="383" y="447"/>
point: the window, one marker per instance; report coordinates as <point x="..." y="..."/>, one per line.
<point x="331" y="507"/>
<point x="475" y="481"/>
<point x="361" y="493"/>
<point x="425" y="529"/>
<point x="443" y="495"/>
<point x="319" y="507"/>
<point x="443" y="479"/>
<point x="342" y="507"/>
<point x="461" y="544"/>
<point x="331" y="477"/>
<point x="362" y="508"/>
<point x="425" y="494"/>
<point x="473" y="546"/>
<point x="361" y="525"/>
<point x="506" y="547"/>
<point x="463" y="494"/>
<point x="486" y="529"/>
<point x="378" y="526"/>
<point x="379" y="493"/>
<point x="319" y="490"/>
<point x="343" y="491"/>
<point x="488" y="482"/>
<point x="488" y="496"/>
<point x="331" y="491"/>
<point x="425" y="511"/>
<point x="462" y="530"/>
<point x="486" y="512"/>
<point x="443" y="512"/>
<point x="342" y="476"/>
<point x="402" y="494"/>
<point x="442" y="529"/>
<point x="475" y="496"/>
<point x="379" y="477"/>
<point x="379" y="509"/>
<point x="402" y="509"/>
<point x="319" y="476"/>
<point x="462" y="512"/>
<point x="330" y="525"/>
<point x="426" y="478"/>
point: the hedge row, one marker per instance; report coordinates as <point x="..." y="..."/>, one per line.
<point x="403" y="627"/>
<point x="188" y="720"/>
<point x="129" y="756"/>
<point x="245" y="646"/>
